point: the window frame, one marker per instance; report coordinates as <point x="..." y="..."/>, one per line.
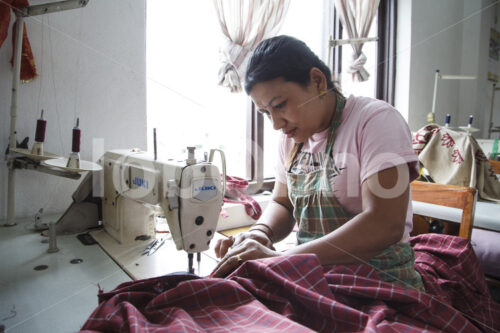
<point x="384" y="90"/>
<point x="386" y="70"/>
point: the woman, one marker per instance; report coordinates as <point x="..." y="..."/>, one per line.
<point x="343" y="174"/>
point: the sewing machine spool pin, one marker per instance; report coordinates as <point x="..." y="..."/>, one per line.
<point x="52" y="239"/>
<point x="431" y="116"/>
<point x="469" y="129"/>
<point x="155" y="151"/>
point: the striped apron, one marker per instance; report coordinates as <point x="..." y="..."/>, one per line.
<point x="318" y="212"/>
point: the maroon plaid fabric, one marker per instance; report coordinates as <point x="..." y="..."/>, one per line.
<point x="296" y="294"/>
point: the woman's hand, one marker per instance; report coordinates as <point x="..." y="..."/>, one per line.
<point x="223" y="245"/>
<point x="246" y="249"/>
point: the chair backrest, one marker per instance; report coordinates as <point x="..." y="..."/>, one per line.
<point x="495" y="165"/>
<point x="449" y="196"/>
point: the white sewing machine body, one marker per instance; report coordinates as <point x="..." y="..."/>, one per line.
<point x="189" y="192"/>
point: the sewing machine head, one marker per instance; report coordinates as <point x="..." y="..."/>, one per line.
<point x="188" y="191"/>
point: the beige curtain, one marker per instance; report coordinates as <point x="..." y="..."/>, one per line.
<point x="357" y="17"/>
<point x="245" y="23"/>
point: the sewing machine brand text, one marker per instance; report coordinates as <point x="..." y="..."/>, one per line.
<point x="140" y="182"/>
<point x="205" y="188"/>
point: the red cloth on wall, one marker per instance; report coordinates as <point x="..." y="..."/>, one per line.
<point x="28" y="68"/>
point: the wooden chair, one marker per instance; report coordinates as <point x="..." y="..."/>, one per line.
<point x="495" y="165"/>
<point x="463" y="198"/>
<point x="450" y="196"/>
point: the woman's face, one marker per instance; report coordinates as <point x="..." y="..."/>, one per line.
<point x="295" y="110"/>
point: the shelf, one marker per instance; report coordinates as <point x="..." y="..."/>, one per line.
<point x="35" y="157"/>
<point x="62" y="163"/>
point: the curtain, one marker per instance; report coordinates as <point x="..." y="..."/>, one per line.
<point x="245" y="23"/>
<point x="356" y="17"/>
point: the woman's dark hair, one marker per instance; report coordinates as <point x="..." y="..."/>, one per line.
<point x="286" y="57"/>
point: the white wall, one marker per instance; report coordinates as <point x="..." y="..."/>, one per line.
<point x="436" y="44"/>
<point x="473" y="50"/>
<point x="452" y="36"/>
<point x="490" y="19"/>
<point x="91" y="63"/>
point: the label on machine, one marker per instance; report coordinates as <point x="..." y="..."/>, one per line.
<point x="204" y="189"/>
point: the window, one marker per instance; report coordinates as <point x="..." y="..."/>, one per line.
<point x="184" y="102"/>
<point x="381" y="56"/>
<point x="348" y="86"/>
<point x="380" y="64"/>
<point x="188" y="108"/>
<point x="304" y="21"/>
<point x="386" y="51"/>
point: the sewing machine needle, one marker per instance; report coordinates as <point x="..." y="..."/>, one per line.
<point x="198" y="259"/>
<point x="190" y="263"/>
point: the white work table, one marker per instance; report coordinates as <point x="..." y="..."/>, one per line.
<point x="486" y="214"/>
<point x="168" y="259"/>
<point x="164" y="261"/>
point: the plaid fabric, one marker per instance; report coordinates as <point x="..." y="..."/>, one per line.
<point x="296" y="294"/>
<point x="395" y="264"/>
<point x="451" y="272"/>
<point x="316" y="209"/>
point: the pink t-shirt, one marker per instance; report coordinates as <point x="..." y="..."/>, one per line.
<point x="372" y="136"/>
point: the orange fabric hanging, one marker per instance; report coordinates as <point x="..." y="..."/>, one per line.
<point x="28" y="68"/>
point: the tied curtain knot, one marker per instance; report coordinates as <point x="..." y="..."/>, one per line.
<point x="244" y="24"/>
<point x="356" y="17"/>
<point x="357" y="66"/>
<point x="234" y="58"/>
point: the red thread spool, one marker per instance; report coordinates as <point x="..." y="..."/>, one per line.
<point x="40" y="130"/>
<point x="76" y="140"/>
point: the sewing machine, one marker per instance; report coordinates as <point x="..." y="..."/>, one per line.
<point x="189" y="192"/>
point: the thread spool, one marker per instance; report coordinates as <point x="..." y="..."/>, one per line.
<point x="469" y="129"/>
<point x="431" y="119"/>
<point x="41" y="125"/>
<point x="75" y="146"/>
<point x="74" y="157"/>
<point x="447" y="120"/>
